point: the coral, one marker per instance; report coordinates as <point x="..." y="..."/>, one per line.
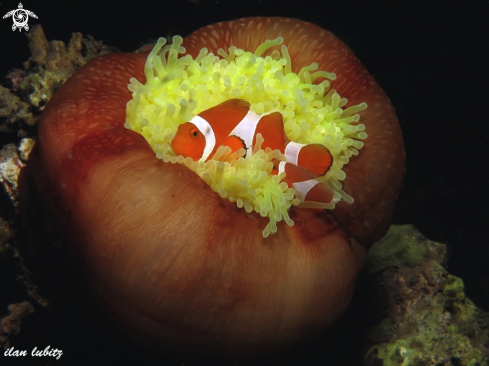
<point x="10" y="324"/>
<point x="5" y="234"/>
<point x="10" y="165"/>
<point x="429" y="319"/>
<point x="54" y="61"/>
<point x="25" y="148"/>
<point x="13" y="108"/>
<point x="401" y="247"/>
<point x="50" y="65"/>
<point x="12" y="159"/>
<point x="55" y="56"/>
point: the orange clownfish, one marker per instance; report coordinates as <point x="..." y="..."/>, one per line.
<point x="232" y="123"/>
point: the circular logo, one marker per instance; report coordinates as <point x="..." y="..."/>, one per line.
<point x="20" y="18"/>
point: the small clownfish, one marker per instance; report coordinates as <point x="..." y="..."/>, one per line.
<point x="232" y="123"/>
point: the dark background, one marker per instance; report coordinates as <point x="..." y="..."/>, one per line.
<point x="431" y="59"/>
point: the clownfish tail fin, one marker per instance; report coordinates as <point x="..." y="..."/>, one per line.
<point x="314" y="157"/>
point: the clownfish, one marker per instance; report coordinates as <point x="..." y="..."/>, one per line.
<point x="232" y="123"/>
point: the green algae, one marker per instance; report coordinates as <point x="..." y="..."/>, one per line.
<point x="402" y="246"/>
<point x="429" y="319"/>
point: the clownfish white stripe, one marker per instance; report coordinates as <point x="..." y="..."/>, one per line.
<point x="245" y="129"/>
<point x="206" y="130"/>
<point x="292" y="151"/>
<point x="281" y="167"/>
<point x="303" y="188"/>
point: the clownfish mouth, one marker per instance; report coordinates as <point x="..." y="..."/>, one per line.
<point x="244" y="115"/>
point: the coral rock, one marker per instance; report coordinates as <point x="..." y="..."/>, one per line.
<point x="429" y="319"/>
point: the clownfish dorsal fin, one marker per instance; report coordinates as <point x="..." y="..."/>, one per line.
<point x="271" y="127"/>
<point x="239" y="104"/>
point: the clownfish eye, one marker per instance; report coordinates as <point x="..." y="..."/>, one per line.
<point x="193" y="132"/>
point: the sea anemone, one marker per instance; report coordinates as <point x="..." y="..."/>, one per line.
<point x="177" y="264"/>
<point x="178" y="88"/>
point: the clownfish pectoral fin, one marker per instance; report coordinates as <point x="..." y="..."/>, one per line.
<point x="271" y="127"/>
<point x="314" y="157"/>
<point x="235" y="143"/>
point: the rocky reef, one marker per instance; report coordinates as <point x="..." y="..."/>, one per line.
<point x="51" y="63"/>
<point x="428" y="319"/>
